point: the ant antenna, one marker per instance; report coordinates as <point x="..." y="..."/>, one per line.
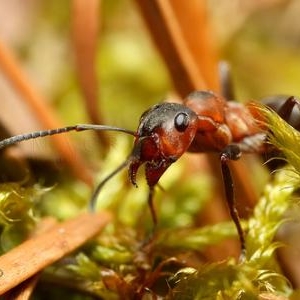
<point x="79" y="127"/>
<point x="99" y="187"/>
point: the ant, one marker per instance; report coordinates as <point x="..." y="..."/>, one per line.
<point x="205" y="122"/>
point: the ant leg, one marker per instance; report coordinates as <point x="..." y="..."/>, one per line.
<point x="150" y="236"/>
<point x="232" y="152"/>
<point x="152" y="208"/>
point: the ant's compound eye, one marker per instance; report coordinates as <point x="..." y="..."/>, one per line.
<point x="181" y="121"/>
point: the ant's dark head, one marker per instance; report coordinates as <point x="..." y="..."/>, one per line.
<point x="165" y="132"/>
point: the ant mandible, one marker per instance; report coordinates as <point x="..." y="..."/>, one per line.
<point x="205" y="122"/>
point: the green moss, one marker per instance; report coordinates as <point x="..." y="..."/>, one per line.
<point x="18" y="212"/>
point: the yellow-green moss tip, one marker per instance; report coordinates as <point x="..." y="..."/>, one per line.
<point x="283" y="136"/>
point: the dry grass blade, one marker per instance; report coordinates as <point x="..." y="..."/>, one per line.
<point x="35" y="254"/>
<point x="167" y="35"/>
<point x="85" y="29"/>
<point x="24" y="290"/>
<point x="269" y="296"/>
<point x="199" y="36"/>
<point x="18" y="79"/>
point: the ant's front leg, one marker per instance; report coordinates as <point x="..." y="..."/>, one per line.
<point x="232" y="152"/>
<point x="152" y="209"/>
<point x="149" y="238"/>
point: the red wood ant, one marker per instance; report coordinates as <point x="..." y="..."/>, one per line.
<point x="204" y="122"/>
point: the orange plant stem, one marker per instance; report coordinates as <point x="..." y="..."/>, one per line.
<point x="85" y="28"/>
<point x="167" y="35"/>
<point x="20" y="82"/>
<point x="200" y="38"/>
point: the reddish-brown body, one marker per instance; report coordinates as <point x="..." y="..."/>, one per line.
<point x="211" y="124"/>
<point x="204" y="122"/>
<point x="221" y="123"/>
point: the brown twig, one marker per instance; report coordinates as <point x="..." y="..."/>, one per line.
<point x="167" y="35"/>
<point x="11" y="68"/>
<point x="200" y="38"/>
<point x="24" y="290"/>
<point x="85" y="29"/>
<point x="35" y="254"/>
<point x="270" y="296"/>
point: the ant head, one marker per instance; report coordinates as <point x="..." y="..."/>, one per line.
<point x="165" y="132"/>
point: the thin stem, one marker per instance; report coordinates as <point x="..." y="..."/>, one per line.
<point x="12" y="70"/>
